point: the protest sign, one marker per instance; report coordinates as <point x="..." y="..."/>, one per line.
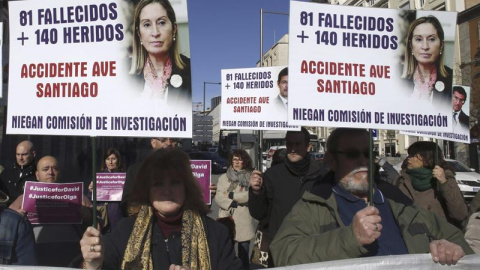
<point x="110" y="186"/>
<point x="363" y="67"/>
<point x="461" y="119"/>
<point x="202" y="171"/>
<point x="255" y="98"/>
<point x="53" y="203"/>
<point x="80" y="68"/>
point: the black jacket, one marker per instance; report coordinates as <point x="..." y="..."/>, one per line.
<point x="281" y="190"/>
<point x="222" y="254"/>
<point x="14" y="179"/>
<point x="464" y="119"/>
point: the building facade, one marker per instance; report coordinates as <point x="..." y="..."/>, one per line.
<point x="469" y="67"/>
<point x="215" y="101"/>
<point x="202" y="129"/>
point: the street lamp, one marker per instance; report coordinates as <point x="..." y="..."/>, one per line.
<point x="260" y="133"/>
<point x="205" y="83"/>
<point x="261" y="30"/>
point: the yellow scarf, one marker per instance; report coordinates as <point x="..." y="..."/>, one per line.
<point x="195" y="251"/>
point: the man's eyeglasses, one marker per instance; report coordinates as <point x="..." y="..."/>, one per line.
<point x="354" y="154"/>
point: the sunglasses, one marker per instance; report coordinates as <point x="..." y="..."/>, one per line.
<point x="354" y="153"/>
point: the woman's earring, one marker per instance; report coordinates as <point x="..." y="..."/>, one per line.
<point x="440" y="52"/>
<point x="141" y="43"/>
<point x="174" y="38"/>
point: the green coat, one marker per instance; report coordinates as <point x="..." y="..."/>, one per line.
<point x="447" y="203"/>
<point x="314" y="232"/>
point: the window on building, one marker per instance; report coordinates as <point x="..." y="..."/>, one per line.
<point x="419" y="4"/>
<point x="390" y="149"/>
<point x="405" y="6"/>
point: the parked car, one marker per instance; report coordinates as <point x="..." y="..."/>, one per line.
<point x="467" y="179"/>
<point x="219" y="164"/>
<point x="270" y="153"/>
<point x="318" y="157"/>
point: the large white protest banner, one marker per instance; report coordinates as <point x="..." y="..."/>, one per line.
<point x="255" y="98"/>
<point x="408" y="261"/>
<point x="461" y="118"/>
<point x="83" y="68"/>
<point x="370" y="67"/>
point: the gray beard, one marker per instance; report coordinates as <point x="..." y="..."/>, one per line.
<point x="357" y="189"/>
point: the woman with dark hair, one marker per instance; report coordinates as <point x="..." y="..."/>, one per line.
<point x="232" y="197"/>
<point x="429" y="182"/>
<point x="110" y="211"/>
<point x="170" y="228"/>
<point x="430" y="80"/>
<point x="113" y="161"/>
<point x="163" y="71"/>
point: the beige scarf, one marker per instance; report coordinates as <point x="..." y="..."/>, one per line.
<point x="195" y="251"/>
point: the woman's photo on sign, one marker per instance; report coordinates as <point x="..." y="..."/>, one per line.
<point x="428" y="53"/>
<point x="159" y="62"/>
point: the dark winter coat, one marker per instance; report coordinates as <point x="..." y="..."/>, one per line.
<point x="281" y="189"/>
<point x="14" y="179"/>
<point x="164" y="253"/>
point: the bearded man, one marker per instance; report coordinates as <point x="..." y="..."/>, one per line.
<point x="336" y="221"/>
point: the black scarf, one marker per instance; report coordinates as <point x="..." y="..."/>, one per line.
<point x="300" y="167"/>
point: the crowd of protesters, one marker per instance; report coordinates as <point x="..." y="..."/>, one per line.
<point x="307" y="212"/>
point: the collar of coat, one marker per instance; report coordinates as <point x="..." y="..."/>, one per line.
<point x="323" y="189"/>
